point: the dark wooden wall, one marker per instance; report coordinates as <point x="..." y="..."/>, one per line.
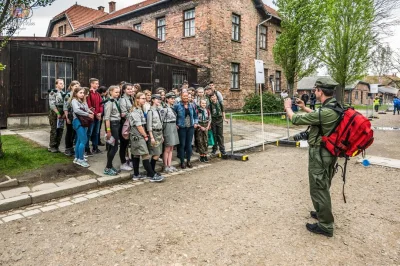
<point x="117" y="56"/>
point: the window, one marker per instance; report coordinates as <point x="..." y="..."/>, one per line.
<point x="138" y="26"/>
<point x="189" y="23"/>
<point x="178" y="76"/>
<point x="235" y="76"/>
<point x="356" y="95"/>
<point x="263" y="37"/>
<point x="235" y="27"/>
<point x="62" y="30"/>
<point x="277" y="81"/>
<point x="161" y="29"/>
<point x="55" y="67"/>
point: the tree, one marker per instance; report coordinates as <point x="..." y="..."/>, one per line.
<point x="297" y="47"/>
<point x="13" y="14"/>
<point x="381" y="60"/>
<point x="348" y="40"/>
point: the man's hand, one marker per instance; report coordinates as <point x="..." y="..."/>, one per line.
<point x="98" y="116"/>
<point x="108" y="135"/>
<point x="300" y="103"/>
<point x="91" y="116"/>
<point x="288" y="103"/>
<point x="68" y="121"/>
<point x="226" y="120"/>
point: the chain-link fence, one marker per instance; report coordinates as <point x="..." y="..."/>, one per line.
<point x="245" y="131"/>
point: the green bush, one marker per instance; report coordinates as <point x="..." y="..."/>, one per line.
<point x="271" y="103"/>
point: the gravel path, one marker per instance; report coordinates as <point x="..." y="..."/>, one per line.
<point x="231" y="213"/>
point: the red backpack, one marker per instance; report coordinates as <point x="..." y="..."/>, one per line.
<point x="351" y="136"/>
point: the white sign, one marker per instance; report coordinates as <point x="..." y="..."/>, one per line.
<point x="373" y="88"/>
<point x="260" y="78"/>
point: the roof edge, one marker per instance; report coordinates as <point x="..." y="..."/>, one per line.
<point x="179" y="58"/>
<point x="52" y="39"/>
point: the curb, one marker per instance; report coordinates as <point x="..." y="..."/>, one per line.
<point x="59" y="192"/>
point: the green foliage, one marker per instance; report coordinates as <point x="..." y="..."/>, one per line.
<point x="2" y="67"/>
<point x="297" y="47"/>
<point x="271" y="103"/>
<point x="348" y="40"/>
<point x="21" y="155"/>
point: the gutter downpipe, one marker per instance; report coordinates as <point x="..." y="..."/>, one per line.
<point x="258" y="40"/>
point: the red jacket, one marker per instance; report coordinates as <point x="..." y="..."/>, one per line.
<point x="94" y="101"/>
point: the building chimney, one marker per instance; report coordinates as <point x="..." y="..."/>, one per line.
<point x="101" y="8"/>
<point x="111" y="6"/>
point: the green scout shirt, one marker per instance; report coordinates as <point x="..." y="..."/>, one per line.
<point x="328" y="121"/>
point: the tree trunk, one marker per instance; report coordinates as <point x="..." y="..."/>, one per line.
<point x="290" y="87"/>
<point x="1" y="148"/>
<point x="340" y="94"/>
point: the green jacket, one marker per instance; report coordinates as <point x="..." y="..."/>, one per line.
<point x="324" y="117"/>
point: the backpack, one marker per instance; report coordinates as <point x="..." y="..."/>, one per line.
<point x="351" y="136"/>
<point x="126" y="129"/>
<point x="396" y="102"/>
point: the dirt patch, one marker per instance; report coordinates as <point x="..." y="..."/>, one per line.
<point x="52" y="173"/>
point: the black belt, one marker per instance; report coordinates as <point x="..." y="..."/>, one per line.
<point x="170" y="122"/>
<point x="114" y="121"/>
<point x="157" y="130"/>
<point x="314" y="145"/>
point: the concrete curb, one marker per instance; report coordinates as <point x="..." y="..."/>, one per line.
<point x="59" y="192"/>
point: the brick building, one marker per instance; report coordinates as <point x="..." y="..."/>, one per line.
<point x="220" y="35"/>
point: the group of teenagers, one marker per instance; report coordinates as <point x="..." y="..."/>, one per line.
<point x="150" y="124"/>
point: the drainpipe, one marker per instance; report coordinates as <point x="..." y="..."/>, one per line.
<point x="258" y="40"/>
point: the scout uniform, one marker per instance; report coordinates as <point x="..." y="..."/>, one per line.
<point x="155" y="125"/>
<point x="320" y="162"/>
<point x="202" y="136"/>
<point x="138" y="144"/>
<point x="112" y="112"/>
<point x="125" y="104"/>
<point x="56" y="100"/>
<point x="170" y="131"/>
<point x="217" y="125"/>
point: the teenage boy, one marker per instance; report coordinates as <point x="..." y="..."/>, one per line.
<point x="217" y="124"/>
<point x="210" y="90"/>
<point x="56" y="104"/>
<point x="94" y="102"/>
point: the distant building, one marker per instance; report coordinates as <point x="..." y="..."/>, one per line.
<point x="220" y="35"/>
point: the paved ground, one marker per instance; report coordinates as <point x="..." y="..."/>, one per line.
<point x="237" y="213"/>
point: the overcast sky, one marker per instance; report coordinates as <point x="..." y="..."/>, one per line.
<point x="42" y="16"/>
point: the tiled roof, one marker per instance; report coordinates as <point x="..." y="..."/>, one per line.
<point x="271" y="11"/>
<point x="384" y="80"/>
<point x="120" y="12"/>
<point x="80" y="15"/>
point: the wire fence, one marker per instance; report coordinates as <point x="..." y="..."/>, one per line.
<point x="245" y="131"/>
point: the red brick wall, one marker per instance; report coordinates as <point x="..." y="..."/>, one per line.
<point x="54" y="33"/>
<point x="212" y="46"/>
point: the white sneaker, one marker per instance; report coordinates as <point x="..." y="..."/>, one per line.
<point x="173" y="169"/>
<point x="126" y="167"/>
<point x="130" y="164"/>
<point x="82" y="163"/>
<point x="75" y="160"/>
<point x="167" y="169"/>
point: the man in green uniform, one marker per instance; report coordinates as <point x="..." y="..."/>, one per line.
<point x="320" y="161"/>
<point x="56" y="105"/>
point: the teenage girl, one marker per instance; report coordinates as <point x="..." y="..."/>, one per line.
<point x="125" y="103"/>
<point x="202" y="131"/>
<point x="138" y="139"/>
<point x="147" y="104"/>
<point x="155" y="130"/>
<point x="70" y="135"/>
<point x="170" y="131"/>
<point x="79" y="107"/>
<point x="112" y="117"/>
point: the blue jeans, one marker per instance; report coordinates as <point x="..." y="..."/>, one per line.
<point x="81" y="138"/>
<point x="93" y="135"/>
<point x="185" y="142"/>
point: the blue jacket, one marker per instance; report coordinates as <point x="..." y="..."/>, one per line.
<point x="180" y="114"/>
<point x="396" y="102"/>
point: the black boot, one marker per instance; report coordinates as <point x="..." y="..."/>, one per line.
<point x="202" y="158"/>
<point x="314" y="228"/>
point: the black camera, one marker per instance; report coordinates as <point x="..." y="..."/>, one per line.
<point x="301" y="136"/>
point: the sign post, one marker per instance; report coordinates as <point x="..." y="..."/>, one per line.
<point x="260" y="79"/>
<point x="373" y="90"/>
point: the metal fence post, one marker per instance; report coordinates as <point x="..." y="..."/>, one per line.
<point x="231" y="127"/>
<point x="288" y="125"/>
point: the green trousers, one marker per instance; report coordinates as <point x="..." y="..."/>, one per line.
<point x="55" y="133"/>
<point x="320" y="172"/>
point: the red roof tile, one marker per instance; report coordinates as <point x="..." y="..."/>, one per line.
<point x="80" y="15"/>
<point x="271" y="11"/>
<point x="121" y="12"/>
